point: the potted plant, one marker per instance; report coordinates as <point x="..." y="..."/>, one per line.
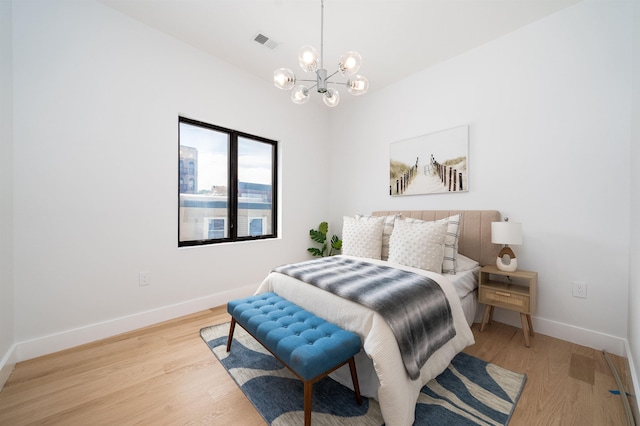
<point x="320" y="236"/>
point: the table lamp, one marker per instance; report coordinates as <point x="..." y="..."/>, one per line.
<point x="506" y="233"/>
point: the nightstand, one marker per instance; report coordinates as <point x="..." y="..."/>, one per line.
<point x="515" y="290"/>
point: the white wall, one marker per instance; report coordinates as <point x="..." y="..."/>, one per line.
<point x="96" y="102"/>
<point x="633" y="321"/>
<point x="549" y="113"/>
<point x="96" y="99"/>
<point x="6" y="194"/>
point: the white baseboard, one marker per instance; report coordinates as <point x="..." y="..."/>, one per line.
<point x="45" y="345"/>
<point x="70" y="338"/>
<point x="7" y="364"/>
<point x="581" y="336"/>
<point x="635" y="408"/>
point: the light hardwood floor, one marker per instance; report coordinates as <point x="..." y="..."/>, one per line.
<point x="166" y="375"/>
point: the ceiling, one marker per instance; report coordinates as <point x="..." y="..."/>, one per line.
<point x="396" y="38"/>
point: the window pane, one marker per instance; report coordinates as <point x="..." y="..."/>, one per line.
<point x="255" y="180"/>
<point x="204" y="183"/>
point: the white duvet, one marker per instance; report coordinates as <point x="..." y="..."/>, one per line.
<point x="390" y="385"/>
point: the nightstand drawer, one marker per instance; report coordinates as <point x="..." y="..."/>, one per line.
<point x="505" y="299"/>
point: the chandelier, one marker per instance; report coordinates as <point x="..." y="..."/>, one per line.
<point x="348" y="66"/>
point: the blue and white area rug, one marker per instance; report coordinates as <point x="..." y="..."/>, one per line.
<point x="469" y="392"/>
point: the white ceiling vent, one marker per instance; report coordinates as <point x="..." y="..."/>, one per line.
<point x="266" y="41"/>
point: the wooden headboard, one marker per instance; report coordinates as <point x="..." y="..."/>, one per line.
<point x="475" y="230"/>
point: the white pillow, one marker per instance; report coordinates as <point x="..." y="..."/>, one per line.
<point x="362" y="236"/>
<point x="387" y="229"/>
<point x="463" y="263"/>
<point x="418" y="244"/>
<point x="450" y="242"/>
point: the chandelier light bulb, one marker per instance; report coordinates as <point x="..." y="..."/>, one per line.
<point x="350" y="63"/>
<point x="300" y="95"/>
<point x="358" y="85"/>
<point x="331" y="98"/>
<point x="284" y="78"/>
<point x="308" y="58"/>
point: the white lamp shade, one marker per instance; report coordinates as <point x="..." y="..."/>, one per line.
<point x="506" y="233"/>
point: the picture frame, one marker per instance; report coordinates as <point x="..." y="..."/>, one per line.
<point x="434" y="163"/>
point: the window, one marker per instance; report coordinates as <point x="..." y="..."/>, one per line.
<point x="230" y="190"/>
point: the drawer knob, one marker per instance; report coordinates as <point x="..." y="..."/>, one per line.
<point x="500" y="293"/>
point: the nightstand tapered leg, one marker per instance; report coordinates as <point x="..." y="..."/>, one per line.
<point x="530" y="325"/>
<point x="485" y="317"/>
<point x="525" y="329"/>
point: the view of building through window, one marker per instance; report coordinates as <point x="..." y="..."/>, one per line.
<point x="211" y="209"/>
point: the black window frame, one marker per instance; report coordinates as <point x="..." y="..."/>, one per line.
<point x="232" y="207"/>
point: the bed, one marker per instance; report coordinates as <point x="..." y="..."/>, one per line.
<point x="382" y="372"/>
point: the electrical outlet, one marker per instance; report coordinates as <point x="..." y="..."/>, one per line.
<point x="580" y="289"/>
<point x="144" y="278"/>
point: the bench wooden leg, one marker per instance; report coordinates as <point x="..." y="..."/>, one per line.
<point x="308" y="392"/>
<point x="232" y="327"/>
<point x="354" y="379"/>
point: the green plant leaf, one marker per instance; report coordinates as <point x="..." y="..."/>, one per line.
<point x="336" y="243"/>
<point x="317" y="236"/>
<point x="315" y="251"/>
<point x="324" y="228"/>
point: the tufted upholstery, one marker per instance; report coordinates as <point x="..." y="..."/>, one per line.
<point x="307" y="344"/>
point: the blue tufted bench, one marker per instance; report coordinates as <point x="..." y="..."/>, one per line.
<point x="308" y="345"/>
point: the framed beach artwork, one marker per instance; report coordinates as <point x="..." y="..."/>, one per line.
<point x="430" y="164"/>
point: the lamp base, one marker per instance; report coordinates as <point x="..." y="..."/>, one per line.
<point x="513" y="262"/>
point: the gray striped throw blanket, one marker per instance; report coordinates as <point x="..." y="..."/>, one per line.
<point x="414" y="306"/>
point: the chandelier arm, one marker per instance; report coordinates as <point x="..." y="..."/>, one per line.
<point x="338" y="82"/>
<point x="334" y="73"/>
